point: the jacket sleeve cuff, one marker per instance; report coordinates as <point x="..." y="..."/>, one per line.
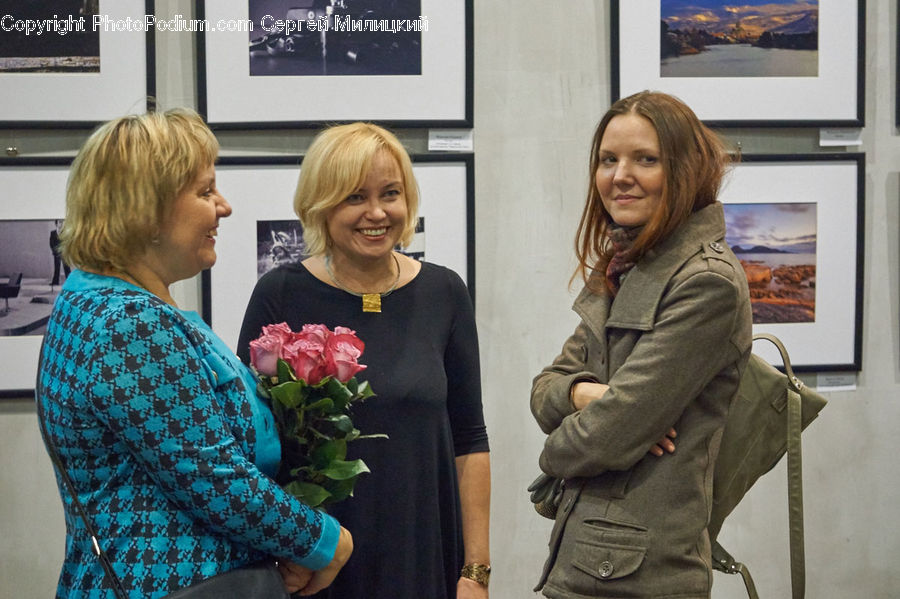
<point x="324" y="550"/>
<point x="560" y="391"/>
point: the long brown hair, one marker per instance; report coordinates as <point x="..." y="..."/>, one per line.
<point x="694" y="161"/>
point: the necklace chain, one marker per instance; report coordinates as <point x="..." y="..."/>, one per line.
<point x="371" y="302"/>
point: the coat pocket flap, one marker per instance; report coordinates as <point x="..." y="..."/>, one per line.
<point x="608" y="561"/>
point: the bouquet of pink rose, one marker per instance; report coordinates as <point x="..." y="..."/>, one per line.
<point x="310" y="379"/>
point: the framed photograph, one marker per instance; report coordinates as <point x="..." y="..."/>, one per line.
<point x="74" y="63"/>
<point x="263" y="231"/>
<point x="303" y="63"/>
<point x="796" y="224"/>
<point x="31" y="271"/>
<point x="752" y="63"/>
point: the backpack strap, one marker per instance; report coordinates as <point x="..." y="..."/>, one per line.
<point x="795" y="495"/>
<point x="795" y="471"/>
<point x="724" y="562"/>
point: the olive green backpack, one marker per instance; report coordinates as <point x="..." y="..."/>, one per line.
<point x="765" y="421"/>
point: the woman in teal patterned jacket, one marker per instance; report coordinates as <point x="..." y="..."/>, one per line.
<point x="155" y="421"/>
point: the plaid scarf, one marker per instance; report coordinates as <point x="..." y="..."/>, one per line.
<point x="622" y="239"/>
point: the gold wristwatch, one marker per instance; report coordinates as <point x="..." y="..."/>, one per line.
<point x="477" y="572"/>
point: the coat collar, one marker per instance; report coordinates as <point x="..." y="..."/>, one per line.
<point x="636" y="303"/>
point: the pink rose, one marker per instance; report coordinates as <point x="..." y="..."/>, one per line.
<point x="316" y="331"/>
<point x="264" y="353"/>
<point x="342" y="350"/>
<point x="280" y="330"/>
<point x="304" y="353"/>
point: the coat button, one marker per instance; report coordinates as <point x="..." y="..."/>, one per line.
<point x="717" y="247"/>
<point x="606" y="569"/>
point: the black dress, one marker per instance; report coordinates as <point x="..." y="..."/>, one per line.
<point x="422" y="358"/>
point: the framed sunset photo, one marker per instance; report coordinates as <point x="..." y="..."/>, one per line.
<point x="796" y="223"/>
<point x="753" y="63"/>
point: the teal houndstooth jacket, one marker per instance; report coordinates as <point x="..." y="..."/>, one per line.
<point x="170" y="450"/>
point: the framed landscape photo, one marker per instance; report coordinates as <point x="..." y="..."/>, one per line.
<point x="74" y="63"/>
<point x="303" y="63"/>
<point x="796" y="222"/>
<point x="31" y="271"/>
<point x="765" y="63"/>
<point x="263" y="231"/>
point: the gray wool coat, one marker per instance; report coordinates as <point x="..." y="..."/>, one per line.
<point x="672" y="347"/>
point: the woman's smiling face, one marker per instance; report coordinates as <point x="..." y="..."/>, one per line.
<point x="369" y="222"/>
<point x="187" y="239"/>
<point x="630" y="175"/>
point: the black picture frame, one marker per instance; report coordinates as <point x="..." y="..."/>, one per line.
<point x="735" y="101"/>
<point x="229" y="97"/>
<point x="262" y="187"/>
<point x="125" y="84"/>
<point x="835" y="183"/>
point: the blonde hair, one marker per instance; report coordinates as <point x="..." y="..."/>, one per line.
<point x="125" y="179"/>
<point x="335" y="166"/>
<point x="694" y="160"/>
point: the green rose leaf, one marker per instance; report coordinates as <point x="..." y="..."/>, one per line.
<point x="364" y="391"/>
<point x="284" y="372"/>
<point x="343" y="470"/>
<point x="341" y="423"/>
<point x="288" y="394"/>
<point x="323" y="405"/>
<point x="311" y="494"/>
<point x="328" y="452"/>
<point x="340" y="489"/>
<point x="339" y="392"/>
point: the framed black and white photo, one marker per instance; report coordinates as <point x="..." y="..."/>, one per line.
<point x="302" y="63"/>
<point x="766" y="63"/>
<point x="263" y="231"/>
<point x="75" y="63"/>
<point x="796" y="223"/>
<point x="31" y="271"/>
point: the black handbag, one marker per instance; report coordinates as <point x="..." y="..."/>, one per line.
<point x="260" y="580"/>
<point x="256" y="580"/>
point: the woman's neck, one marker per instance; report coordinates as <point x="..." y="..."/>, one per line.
<point x="145" y="278"/>
<point x="370" y="276"/>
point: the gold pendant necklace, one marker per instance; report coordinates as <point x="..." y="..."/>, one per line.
<point x="371" y="302"/>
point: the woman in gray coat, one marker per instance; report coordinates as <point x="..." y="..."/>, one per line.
<point x="664" y="337"/>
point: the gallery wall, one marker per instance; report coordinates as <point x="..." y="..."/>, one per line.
<point x="542" y="81"/>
